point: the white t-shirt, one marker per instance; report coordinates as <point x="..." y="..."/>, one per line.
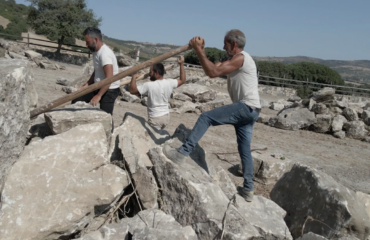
<point x="101" y="58"/>
<point x="158" y="93"/>
<point x="242" y="84"/>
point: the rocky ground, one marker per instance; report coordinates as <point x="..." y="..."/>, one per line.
<point x="346" y="160"/>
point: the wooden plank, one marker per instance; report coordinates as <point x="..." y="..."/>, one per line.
<point x="98" y="85"/>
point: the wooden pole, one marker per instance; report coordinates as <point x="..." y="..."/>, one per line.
<point x="98" y="85"/>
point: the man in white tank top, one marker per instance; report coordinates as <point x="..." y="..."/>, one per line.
<point x="242" y="83"/>
<point x="159" y="91"/>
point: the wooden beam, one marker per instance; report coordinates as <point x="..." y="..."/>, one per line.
<point x="98" y="85"/>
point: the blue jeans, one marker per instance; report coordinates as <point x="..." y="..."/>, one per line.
<point x="242" y="117"/>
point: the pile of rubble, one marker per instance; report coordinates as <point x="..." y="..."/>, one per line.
<point x="324" y="112"/>
<point x="76" y="179"/>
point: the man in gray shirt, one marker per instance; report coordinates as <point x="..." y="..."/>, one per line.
<point x="242" y="83"/>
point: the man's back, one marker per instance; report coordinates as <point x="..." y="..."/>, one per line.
<point x="158" y="93"/>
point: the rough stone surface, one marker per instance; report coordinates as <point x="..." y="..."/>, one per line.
<point x="305" y="192"/>
<point x="320" y="108"/>
<point x="277" y="106"/>
<point x="350" y="114"/>
<point x="191" y="196"/>
<point x="208" y="106"/>
<point x="198" y="93"/>
<point x="311" y="236"/>
<point x="294" y="119"/>
<point x="113" y="231"/>
<point x="63" y="81"/>
<point x="263" y="118"/>
<point x="337" y="124"/>
<point x="223" y="180"/>
<point x="16" y="55"/>
<point x="59" y="185"/>
<point x="62" y="120"/>
<point x="32" y="54"/>
<point x="366" y="117"/>
<point x="268" y="169"/>
<point x="15" y="76"/>
<point x="365" y="200"/>
<point x="156" y="225"/>
<point x="130" y="143"/>
<point x="355" y="129"/>
<point x="339" y="134"/>
<point x="324" y="94"/>
<point x="323" y="123"/>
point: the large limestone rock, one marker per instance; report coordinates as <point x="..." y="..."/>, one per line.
<point x="337" y="123"/>
<point x="320" y="108"/>
<point x="130" y="144"/>
<point x="191" y="196"/>
<point x="366" y="117"/>
<point x="59" y="185"/>
<point x="113" y="231"/>
<point x="15" y="77"/>
<point x="197" y="92"/>
<point x="323" y="123"/>
<point x="293" y="119"/>
<point x="62" y="120"/>
<point x="365" y="200"/>
<point x="350" y="114"/>
<point x="156" y="225"/>
<point x="32" y="54"/>
<point x="305" y="192"/>
<point x="325" y="94"/>
<point x="355" y="129"/>
<point x="269" y="170"/>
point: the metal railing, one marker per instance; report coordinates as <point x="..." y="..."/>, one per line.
<point x="292" y="83"/>
<point x="20" y="40"/>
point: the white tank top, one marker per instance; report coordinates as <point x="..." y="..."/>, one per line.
<point x="242" y="84"/>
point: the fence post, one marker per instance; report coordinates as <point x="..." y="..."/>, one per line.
<point x="89" y="53"/>
<point x="28" y="40"/>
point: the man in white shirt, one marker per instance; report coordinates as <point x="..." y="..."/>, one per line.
<point x="242" y="84"/>
<point x="159" y="91"/>
<point x="105" y="66"/>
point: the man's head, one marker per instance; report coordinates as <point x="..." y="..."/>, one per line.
<point x="93" y="38"/>
<point x="234" y="42"/>
<point x="157" y="71"/>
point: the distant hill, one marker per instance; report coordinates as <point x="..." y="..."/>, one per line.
<point x="353" y="71"/>
<point x="147" y="50"/>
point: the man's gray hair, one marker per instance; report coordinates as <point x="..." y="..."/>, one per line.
<point x="237" y="36"/>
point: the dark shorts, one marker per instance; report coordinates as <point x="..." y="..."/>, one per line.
<point x="106" y="102"/>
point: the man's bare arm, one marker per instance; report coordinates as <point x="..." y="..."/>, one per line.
<point x="90" y="81"/>
<point x="182" y="79"/>
<point x="212" y="70"/>
<point x="108" y="70"/>
<point x="133" y="85"/>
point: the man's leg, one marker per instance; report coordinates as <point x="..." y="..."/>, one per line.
<point x="235" y="114"/>
<point x="108" y="99"/>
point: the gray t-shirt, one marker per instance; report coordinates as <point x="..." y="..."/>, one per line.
<point x="242" y="84"/>
<point x="158" y="93"/>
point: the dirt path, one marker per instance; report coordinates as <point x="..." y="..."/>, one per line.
<point x="346" y="160"/>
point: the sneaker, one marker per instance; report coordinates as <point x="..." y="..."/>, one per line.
<point x="247" y="195"/>
<point x="172" y="154"/>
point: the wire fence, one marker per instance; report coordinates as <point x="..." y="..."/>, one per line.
<point x="315" y="86"/>
<point x="19" y="39"/>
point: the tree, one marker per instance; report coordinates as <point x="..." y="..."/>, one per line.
<point x="213" y="54"/>
<point x="61" y="19"/>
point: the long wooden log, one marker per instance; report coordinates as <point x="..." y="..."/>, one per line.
<point x="145" y="75"/>
<point x="98" y="85"/>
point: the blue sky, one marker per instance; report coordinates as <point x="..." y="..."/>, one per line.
<point x="327" y="29"/>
